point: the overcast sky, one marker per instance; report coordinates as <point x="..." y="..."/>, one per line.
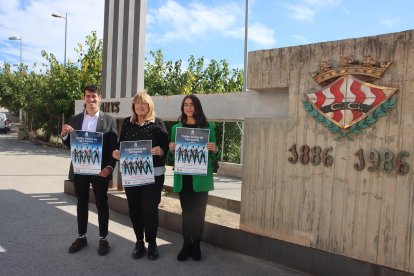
<point x="213" y="29"/>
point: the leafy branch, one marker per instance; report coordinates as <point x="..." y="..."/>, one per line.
<point x="320" y="118"/>
<point x="373" y="117"/>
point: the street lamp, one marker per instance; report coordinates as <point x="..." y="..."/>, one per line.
<point x="246" y="28"/>
<point x="21" y="64"/>
<point x="64" y="57"/>
<point x="66" y="32"/>
<point x="21" y="42"/>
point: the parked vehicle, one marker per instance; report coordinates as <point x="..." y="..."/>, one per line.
<point x="4" y="123"/>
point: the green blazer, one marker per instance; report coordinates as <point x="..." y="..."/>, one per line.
<point x="201" y="183"/>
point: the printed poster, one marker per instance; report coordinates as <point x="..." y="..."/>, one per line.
<point x="191" y="154"/>
<point x="136" y="163"/>
<point x="86" y="147"/>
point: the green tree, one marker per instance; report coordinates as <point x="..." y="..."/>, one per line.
<point x="17" y="90"/>
<point x="44" y="94"/>
<point x="10" y="94"/>
<point x="64" y="84"/>
<point x="169" y="78"/>
<point x="90" y="60"/>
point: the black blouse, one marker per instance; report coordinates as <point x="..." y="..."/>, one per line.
<point x="190" y="126"/>
<point x="154" y="131"/>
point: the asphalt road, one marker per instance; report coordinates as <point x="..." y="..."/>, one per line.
<point x="38" y="222"/>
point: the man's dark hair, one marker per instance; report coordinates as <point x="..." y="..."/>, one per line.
<point x="91" y="88"/>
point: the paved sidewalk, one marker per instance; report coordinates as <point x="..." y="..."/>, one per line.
<point x="38" y="223"/>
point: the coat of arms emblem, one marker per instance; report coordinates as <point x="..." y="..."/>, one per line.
<point x="349" y="104"/>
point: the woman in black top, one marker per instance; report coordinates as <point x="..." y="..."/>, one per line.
<point x="143" y="200"/>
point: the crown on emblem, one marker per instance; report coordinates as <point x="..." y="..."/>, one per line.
<point x="348" y="66"/>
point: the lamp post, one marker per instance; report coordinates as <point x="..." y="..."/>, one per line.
<point x="21" y="42"/>
<point x="66" y="32"/>
<point x="20" y="64"/>
<point x="64" y="56"/>
<point x="246" y="25"/>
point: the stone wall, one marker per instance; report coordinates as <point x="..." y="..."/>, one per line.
<point x="363" y="214"/>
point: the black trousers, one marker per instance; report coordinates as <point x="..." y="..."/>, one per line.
<point x="143" y="204"/>
<point x="193" y="205"/>
<point x="100" y="190"/>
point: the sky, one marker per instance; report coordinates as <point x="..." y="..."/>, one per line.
<point x="213" y="29"/>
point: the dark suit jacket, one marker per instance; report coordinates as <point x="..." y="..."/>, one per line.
<point x="107" y="125"/>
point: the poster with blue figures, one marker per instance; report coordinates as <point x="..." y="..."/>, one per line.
<point x="191" y="154"/>
<point x="86" y="151"/>
<point x="136" y="163"/>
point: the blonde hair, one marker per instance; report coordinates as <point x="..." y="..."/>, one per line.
<point x="143" y="97"/>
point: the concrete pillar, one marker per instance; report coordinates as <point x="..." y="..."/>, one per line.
<point x="123" y="49"/>
<point x="123" y="53"/>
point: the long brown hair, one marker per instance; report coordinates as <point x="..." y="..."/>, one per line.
<point x="199" y="116"/>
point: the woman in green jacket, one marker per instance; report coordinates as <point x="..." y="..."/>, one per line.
<point x="193" y="189"/>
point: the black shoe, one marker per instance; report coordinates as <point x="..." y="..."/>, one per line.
<point x="139" y="250"/>
<point x="196" y="251"/>
<point x="152" y="251"/>
<point x="185" y="251"/>
<point x="77" y="245"/>
<point x="103" y="247"/>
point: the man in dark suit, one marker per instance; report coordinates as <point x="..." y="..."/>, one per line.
<point x="94" y="120"/>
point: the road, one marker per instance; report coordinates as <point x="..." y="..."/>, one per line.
<point x="38" y="222"/>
